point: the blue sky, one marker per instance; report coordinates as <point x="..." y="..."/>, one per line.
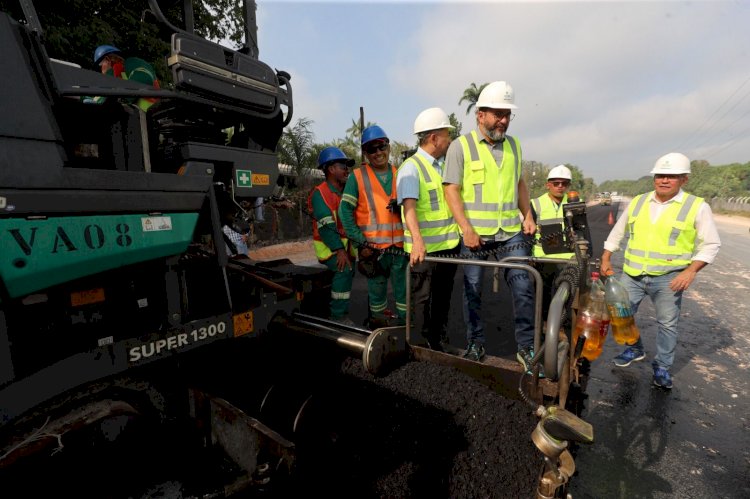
<point x="606" y="86"/>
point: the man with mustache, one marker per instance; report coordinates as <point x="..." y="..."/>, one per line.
<point x="672" y="235"/>
<point x="490" y="202"/>
<point x="371" y="218"/>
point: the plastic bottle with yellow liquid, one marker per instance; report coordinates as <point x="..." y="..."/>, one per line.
<point x="624" y="330"/>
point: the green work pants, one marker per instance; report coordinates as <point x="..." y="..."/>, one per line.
<point x="341" y="288"/>
<point x="377" y="287"/>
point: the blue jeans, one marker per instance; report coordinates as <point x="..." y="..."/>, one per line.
<point x="519" y="282"/>
<point x="667" y="304"/>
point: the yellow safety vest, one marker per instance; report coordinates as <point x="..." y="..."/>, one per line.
<point x="436" y="225"/>
<point x="666" y="245"/>
<point x="548" y="214"/>
<point x="489" y="191"/>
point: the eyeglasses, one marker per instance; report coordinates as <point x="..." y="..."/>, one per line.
<point x="560" y="183"/>
<point x="373" y="148"/>
<point x="499" y="114"/>
<point x="341" y="166"/>
<point x="661" y="176"/>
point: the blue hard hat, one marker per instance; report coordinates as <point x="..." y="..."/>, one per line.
<point x="333" y="155"/>
<point x="104" y="50"/>
<point x="373" y="132"/>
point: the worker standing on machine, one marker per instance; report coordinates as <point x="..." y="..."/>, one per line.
<point x="371" y="218"/>
<point x="430" y="229"/>
<point x="332" y="247"/>
<point x="547" y="210"/>
<point x="490" y="201"/>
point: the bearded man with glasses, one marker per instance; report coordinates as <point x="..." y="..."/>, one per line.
<point x="490" y="203"/>
<point x="372" y="219"/>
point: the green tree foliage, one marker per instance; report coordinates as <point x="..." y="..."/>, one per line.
<point x="74" y="28"/>
<point x="456" y="131"/>
<point x="471" y="95"/>
<point x="705" y="181"/>
<point x="297" y="146"/>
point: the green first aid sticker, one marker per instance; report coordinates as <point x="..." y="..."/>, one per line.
<point x="244" y="178"/>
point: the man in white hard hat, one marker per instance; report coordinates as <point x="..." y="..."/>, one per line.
<point x="672" y="237"/>
<point x="547" y="210"/>
<point x="490" y="202"/>
<point x="430" y="229"/>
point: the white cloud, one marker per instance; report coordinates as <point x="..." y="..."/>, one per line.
<point x="607" y="86"/>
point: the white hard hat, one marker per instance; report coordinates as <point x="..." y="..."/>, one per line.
<point x="497" y="95"/>
<point x="433" y="118"/>
<point x="560" y="171"/>
<point x="673" y="163"/>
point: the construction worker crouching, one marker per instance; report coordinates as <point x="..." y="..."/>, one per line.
<point x="429" y="228"/>
<point x="332" y="247"/>
<point x="371" y="218"/>
<point x="110" y="61"/>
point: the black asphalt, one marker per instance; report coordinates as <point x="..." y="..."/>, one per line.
<point x="690" y="442"/>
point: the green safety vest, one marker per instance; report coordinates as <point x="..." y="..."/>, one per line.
<point x="666" y="245"/>
<point x="548" y="214"/>
<point x="436" y="225"/>
<point x="489" y="191"/>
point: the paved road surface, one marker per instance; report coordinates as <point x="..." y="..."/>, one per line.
<point x="691" y="442"/>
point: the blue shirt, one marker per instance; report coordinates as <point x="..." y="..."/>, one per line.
<point x="407" y="180"/>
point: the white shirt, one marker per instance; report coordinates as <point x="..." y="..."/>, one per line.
<point x="707" y="240"/>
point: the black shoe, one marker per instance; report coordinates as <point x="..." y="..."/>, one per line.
<point x="524" y="356"/>
<point x="475" y="351"/>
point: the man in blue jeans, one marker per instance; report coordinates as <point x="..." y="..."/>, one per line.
<point x="672" y="235"/>
<point x="490" y="202"/>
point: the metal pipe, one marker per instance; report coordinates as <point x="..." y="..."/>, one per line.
<point x="408" y="305"/>
<point x="503" y="264"/>
<point x="328" y="330"/>
<point x="538" y="294"/>
<point x="552" y="332"/>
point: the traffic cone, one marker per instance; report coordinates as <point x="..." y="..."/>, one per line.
<point x="611" y="219"/>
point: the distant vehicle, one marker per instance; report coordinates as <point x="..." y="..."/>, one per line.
<point x="605" y="199"/>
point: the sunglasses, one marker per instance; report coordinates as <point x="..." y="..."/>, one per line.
<point x="373" y="148"/>
<point x="560" y="183"/>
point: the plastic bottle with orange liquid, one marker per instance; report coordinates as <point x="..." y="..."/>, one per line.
<point x="592" y="323"/>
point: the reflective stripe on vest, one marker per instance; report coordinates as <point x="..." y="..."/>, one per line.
<point x="144" y="102"/>
<point x="436" y="225"/>
<point x="489" y="191"/>
<point x="332" y="201"/>
<point x="666" y="245"/>
<point x="546" y="214"/>
<point x="379" y="226"/>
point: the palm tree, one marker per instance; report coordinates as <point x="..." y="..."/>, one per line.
<point x="471" y="95"/>
<point x="296" y="146"/>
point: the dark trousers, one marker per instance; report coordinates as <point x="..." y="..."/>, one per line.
<point x="431" y="290"/>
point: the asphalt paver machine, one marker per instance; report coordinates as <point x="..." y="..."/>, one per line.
<point x="126" y="329"/>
